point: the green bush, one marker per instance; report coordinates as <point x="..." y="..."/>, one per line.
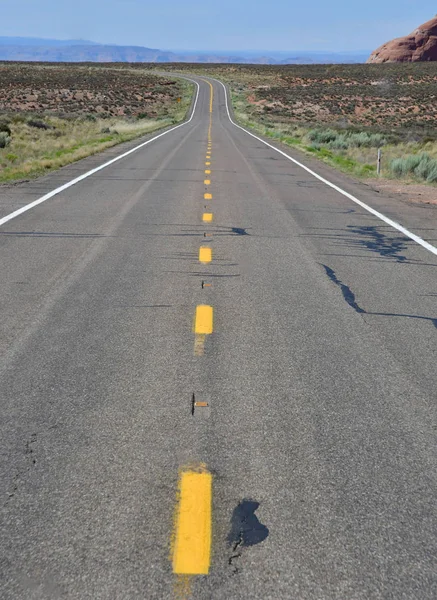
<point x="424" y="167"/>
<point x="366" y="140"/>
<point x="5" y="139"/>
<point x="321" y="136"/>
<point x="432" y="175"/>
<point x="345" y="140"/>
<point x="401" y="167"/>
<point x="340" y="143"/>
<point x="421" y="166"/>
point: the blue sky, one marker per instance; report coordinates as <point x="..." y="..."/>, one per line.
<point x="335" y="25"/>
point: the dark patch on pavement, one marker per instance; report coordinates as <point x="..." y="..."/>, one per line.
<point x="239" y="231"/>
<point x="376" y="241"/>
<point x="246" y="530"/>
<point x="348" y="294"/>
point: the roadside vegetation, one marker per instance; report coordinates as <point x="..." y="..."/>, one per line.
<point x="342" y="114"/>
<point x="52" y="115"/>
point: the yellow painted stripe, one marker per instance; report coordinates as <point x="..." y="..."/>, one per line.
<point x="207" y="164"/>
<point x="207" y="217"/>
<point x="199" y="344"/>
<point x="192" y="546"/>
<point x="204" y="319"/>
<point x="207" y="171"/>
<point x="207" y="182"/>
<point x="207" y="196"/>
<point x="205" y="254"/>
<point x="211" y="97"/>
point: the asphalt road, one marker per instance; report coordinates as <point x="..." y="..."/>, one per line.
<point x="313" y="420"/>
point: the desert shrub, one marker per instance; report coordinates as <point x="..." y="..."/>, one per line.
<point x="38" y="124"/>
<point x="413" y="161"/>
<point x="321" y="136"/>
<point x="401" y="167"/>
<point x="366" y="140"/>
<point x="344" y="140"/>
<point x="422" y="166"/>
<point x="432" y="175"/>
<point x="428" y="139"/>
<point x="11" y="157"/>
<point x="5" y="139"/>
<point x="340" y="143"/>
<point x="4" y="126"/>
<point x="105" y="130"/>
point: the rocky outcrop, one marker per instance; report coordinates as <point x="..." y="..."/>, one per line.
<point x="419" y="46"/>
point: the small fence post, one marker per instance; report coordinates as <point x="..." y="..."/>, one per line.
<point x="378" y="165"/>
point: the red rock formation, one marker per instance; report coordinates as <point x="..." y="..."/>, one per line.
<point x="419" y="46"/>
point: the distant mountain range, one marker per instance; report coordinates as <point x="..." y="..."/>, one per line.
<point x="37" y="49"/>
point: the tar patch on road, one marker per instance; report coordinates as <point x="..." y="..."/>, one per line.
<point x="348" y="294"/>
<point x="246" y="530"/>
<point x="239" y="231"/>
<point x="385" y="245"/>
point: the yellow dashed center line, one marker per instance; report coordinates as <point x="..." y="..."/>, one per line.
<point x="193" y="521"/>
<point x="205" y="255"/>
<point x="211" y="99"/>
<point x="203" y="323"/>
<point x="192" y="545"/>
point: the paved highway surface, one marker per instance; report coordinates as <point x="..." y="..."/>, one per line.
<point x="217" y="378"/>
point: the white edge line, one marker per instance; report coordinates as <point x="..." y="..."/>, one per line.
<point x="67" y="185"/>
<point x="371" y="210"/>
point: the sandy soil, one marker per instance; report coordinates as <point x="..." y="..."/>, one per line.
<point x="413" y="192"/>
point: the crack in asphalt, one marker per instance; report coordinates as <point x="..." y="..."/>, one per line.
<point x="29" y="453"/>
<point x="349" y="296"/>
